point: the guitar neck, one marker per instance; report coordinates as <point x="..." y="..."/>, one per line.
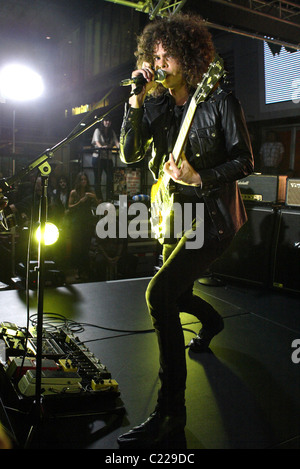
<point x="209" y="81"/>
<point x="181" y="139"/>
<point x="182" y="136"/>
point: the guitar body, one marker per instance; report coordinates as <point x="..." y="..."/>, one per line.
<point x="162" y="204"/>
<point x="163" y="195"/>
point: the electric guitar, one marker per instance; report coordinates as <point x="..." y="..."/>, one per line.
<point x="162" y="196"/>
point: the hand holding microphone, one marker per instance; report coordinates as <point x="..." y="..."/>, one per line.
<point x="143" y="80"/>
<point x="159" y="76"/>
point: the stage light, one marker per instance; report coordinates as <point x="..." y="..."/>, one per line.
<point x="51" y="234"/>
<point x="20" y="83"/>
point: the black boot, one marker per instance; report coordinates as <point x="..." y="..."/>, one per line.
<point x="154" y="432"/>
<point x="201" y="342"/>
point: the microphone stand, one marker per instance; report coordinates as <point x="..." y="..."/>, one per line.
<point x="45" y="171"/>
<point x="41" y="162"/>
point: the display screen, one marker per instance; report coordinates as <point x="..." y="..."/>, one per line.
<point x="282" y="75"/>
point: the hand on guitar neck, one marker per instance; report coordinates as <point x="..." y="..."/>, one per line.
<point x="182" y="173"/>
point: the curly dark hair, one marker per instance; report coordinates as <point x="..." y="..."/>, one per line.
<point x="186" y="38"/>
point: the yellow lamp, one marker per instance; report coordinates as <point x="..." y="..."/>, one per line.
<point x="51" y="234"/>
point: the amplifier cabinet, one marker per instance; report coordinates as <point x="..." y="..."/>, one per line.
<point x="293" y="192"/>
<point x="263" y="189"/>
<point x="286" y="266"/>
<point x="249" y="257"/>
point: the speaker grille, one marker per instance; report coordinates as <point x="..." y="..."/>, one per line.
<point x="293" y="192"/>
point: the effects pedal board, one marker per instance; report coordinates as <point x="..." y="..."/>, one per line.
<point x="52" y="382"/>
<point x="18" y="366"/>
<point x="68" y="366"/>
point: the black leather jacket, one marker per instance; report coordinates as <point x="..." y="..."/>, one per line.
<point x="219" y="149"/>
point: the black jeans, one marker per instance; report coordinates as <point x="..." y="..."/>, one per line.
<point x="100" y="165"/>
<point x="170" y="292"/>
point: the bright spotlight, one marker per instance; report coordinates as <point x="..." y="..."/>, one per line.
<point x="51" y="234"/>
<point x="20" y="83"/>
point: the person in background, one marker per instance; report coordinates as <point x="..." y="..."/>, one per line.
<point x="271" y="153"/>
<point x="60" y="200"/>
<point x="27" y="204"/>
<point x="105" y="140"/>
<point x="82" y="200"/>
<point x="58" y="214"/>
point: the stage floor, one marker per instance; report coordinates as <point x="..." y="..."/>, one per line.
<point x="244" y="394"/>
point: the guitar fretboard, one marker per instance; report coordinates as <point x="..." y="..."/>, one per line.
<point x="177" y="150"/>
<point x="209" y="80"/>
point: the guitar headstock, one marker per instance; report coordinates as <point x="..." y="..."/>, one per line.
<point x="210" y="79"/>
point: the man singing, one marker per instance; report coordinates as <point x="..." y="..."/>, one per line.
<point x="217" y="154"/>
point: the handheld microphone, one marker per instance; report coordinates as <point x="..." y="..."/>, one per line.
<point x="159" y="75"/>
